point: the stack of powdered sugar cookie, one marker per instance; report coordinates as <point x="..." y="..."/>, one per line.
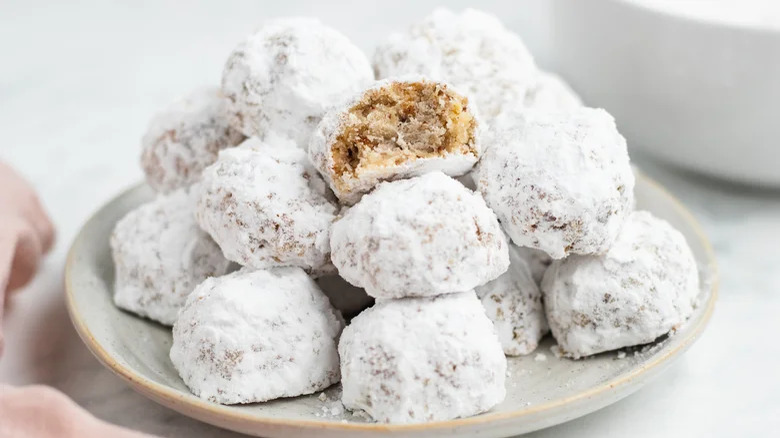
<point x="467" y="195"/>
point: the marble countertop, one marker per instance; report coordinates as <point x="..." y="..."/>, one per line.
<point x="77" y="85"/>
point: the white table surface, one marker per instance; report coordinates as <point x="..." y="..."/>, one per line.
<point x="77" y="86"/>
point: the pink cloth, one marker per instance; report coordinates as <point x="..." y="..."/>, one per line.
<point x="44" y="412"/>
<point x="26" y="234"/>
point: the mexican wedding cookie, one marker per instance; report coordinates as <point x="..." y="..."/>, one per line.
<point x="645" y="286"/>
<point x="266" y="206"/>
<point x="160" y="255"/>
<point x="471" y="50"/>
<point x="423" y="236"/>
<point x="254" y="336"/>
<point x="422" y="359"/>
<point x="514" y="303"/>
<point x="559" y="182"/>
<point x="396" y="129"/>
<point x="185" y="138"/>
<point x="286" y="75"/>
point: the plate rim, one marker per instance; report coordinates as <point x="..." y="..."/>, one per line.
<point x="187" y="403"/>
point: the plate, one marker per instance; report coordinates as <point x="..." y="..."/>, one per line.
<point x="542" y="389"/>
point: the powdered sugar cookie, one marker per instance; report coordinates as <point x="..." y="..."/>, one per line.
<point x="423" y="236"/>
<point x="471" y="50"/>
<point x="160" y="255"/>
<point x="283" y="77"/>
<point x="422" y="359"/>
<point x="643" y="287"/>
<point x="254" y="336"/>
<point x="395" y="129"/>
<point x="559" y="182"/>
<point x="266" y="206"/>
<point x="514" y="303"/>
<point x="185" y="138"/>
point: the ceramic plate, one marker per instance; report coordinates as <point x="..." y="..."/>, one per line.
<point x="542" y="390"/>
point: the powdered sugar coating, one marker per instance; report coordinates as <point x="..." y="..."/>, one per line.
<point x="254" y="336"/>
<point x="559" y="182"/>
<point x="514" y="303"/>
<point x="422" y="359"/>
<point x="350" y="188"/>
<point x="266" y="206"/>
<point x="643" y="287"/>
<point x="471" y="50"/>
<point x="551" y="93"/>
<point x="185" y="138"/>
<point x="160" y="255"/>
<point x="283" y="77"/>
<point x="423" y="236"/>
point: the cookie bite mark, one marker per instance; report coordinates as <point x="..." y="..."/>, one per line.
<point x="401" y="122"/>
<point x="400" y="128"/>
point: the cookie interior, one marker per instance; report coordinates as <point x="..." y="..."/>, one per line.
<point x="400" y="122"/>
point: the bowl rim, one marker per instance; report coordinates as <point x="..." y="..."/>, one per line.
<point x="724" y="25"/>
<point x="185" y="403"/>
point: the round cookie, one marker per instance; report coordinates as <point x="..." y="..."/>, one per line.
<point x="422" y="359"/>
<point x="514" y="303"/>
<point x="423" y="236"/>
<point x="185" y="138"/>
<point x="551" y="93"/>
<point x="643" y="287"/>
<point x="266" y="206"/>
<point x="559" y="182"/>
<point x="254" y="336"/>
<point x="160" y="255"/>
<point x="471" y="50"/>
<point x="283" y="77"/>
<point x="396" y="129"/>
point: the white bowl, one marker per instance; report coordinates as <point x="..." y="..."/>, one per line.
<point x="702" y="93"/>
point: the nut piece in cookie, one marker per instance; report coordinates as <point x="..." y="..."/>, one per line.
<point x="284" y="77"/>
<point x="423" y="236"/>
<point x="185" y="138"/>
<point x="422" y="359"/>
<point x="266" y="206"/>
<point x="160" y="255"/>
<point x="514" y="303"/>
<point x="643" y="287"/>
<point x="253" y="336"/>
<point x="471" y="50"/>
<point x="395" y="129"/>
<point x="559" y="182"/>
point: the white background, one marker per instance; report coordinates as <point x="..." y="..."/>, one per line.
<point x="78" y="83"/>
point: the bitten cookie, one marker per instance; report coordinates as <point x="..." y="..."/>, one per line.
<point x="471" y="50"/>
<point x="160" y="255"/>
<point x="266" y="206"/>
<point x="422" y="359"/>
<point x="514" y="303"/>
<point x="645" y="286"/>
<point x="185" y="138"/>
<point x="559" y="182"/>
<point x="286" y="75"/>
<point x="254" y="336"/>
<point x="423" y="236"/>
<point x="395" y="129"/>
